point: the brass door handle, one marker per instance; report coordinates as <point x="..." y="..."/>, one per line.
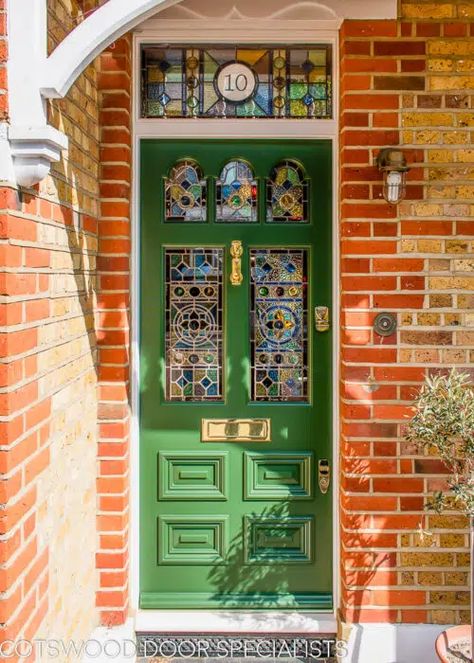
<point x="324" y="475"/>
<point x="236" y="251"/>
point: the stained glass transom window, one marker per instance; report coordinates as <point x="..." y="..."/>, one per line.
<point x="279" y="324"/>
<point x="287" y="194"/>
<point x="186" y="192"/>
<point x="236" y="194"/>
<point x="194" y="324"/>
<point x="274" y="82"/>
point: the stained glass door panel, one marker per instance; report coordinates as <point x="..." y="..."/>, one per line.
<point x="236" y="521"/>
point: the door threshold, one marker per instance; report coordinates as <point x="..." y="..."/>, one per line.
<point x="235" y="621"/>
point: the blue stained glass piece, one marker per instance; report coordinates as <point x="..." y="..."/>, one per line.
<point x="212" y="391"/>
<point x="290" y="267"/>
<point x="236" y="185"/>
<point x="308" y="99"/>
<point x="164" y="66"/>
<point x="264" y="99"/>
<point x="206" y="382"/>
<point x="154" y="91"/>
<point x="164" y="99"/>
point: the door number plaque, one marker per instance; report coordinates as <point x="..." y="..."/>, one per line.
<point x="236" y="430"/>
<point x="235" y="82"/>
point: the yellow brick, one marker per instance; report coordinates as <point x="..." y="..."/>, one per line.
<point x="427" y="119"/>
<point x="440" y="65"/>
<point x="427" y="137"/>
<point x="452" y="319"/>
<point x="465" y="338"/>
<point x="450" y="82"/>
<point x="454" y="578"/>
<point x="462" y="559"/>
<point x="466" y="10"/>
<point x="464" y="65"/>
<point x="430" y="246"/>
<point x="441" y="192"/>
<point x="408" y="245"/>
<point x="443" y="617"/>
<point x="451" y="521"/>
<point x="456" y="246"/>
<point x="407" y="578"/>
<point x="429" y="10"/>
<point x="464" y="265"/>
<point x="465" y="119"/>
<point x="440" y="156"/>
<point x="428" y="319"/>
<point x="451" y="47"/>
<point x="465" y="155"/>
<point x="465" y="192"/>
<point x="422" y="559"/>
<point x="404" y="356"/>
<point x="469" y="320"/>
<point x="456" y="137"/>
<point x="452" y="540"/>
<point x="454" y="356"/>
<point x="451" y="283"/>
<point x="449" y="598"/>
<point x="427" y="209"/>
<point x="427" y="578"/>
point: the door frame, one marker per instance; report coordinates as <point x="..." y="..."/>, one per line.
<point x="229" y="621"/>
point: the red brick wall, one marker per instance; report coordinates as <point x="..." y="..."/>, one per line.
<point x="402" y="83"/>
<point x="113" y="326"/>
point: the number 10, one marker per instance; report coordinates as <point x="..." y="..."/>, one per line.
<point x="233" y="82"/>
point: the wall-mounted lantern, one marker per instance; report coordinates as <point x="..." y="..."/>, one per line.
<point x="393" y="164"/>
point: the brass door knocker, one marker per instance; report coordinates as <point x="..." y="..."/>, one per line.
<point x="236" y="252"/>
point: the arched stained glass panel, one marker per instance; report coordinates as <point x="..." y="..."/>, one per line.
<point x="186" y="192"/>
<point x="287" y="194"/>
<point x="236" y="194"/>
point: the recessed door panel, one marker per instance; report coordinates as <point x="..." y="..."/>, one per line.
<point x="235" y="402"/>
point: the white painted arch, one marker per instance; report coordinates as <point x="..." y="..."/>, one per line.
<point x="31" y="145"/>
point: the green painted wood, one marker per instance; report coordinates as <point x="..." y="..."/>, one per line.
<point x="195" y="548"/>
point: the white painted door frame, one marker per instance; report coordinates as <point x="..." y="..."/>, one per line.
<point x="228" y="621"/>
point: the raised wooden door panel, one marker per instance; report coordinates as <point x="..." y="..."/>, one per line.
<point x="235" y="521"/>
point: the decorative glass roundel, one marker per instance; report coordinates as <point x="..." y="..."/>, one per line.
<point x="236" y="82"/>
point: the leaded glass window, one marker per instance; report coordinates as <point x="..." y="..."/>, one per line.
<point x="238" y="82"/>
<point x="236" y="194"/>
<point x="194" y="324"/>
<point x="287" y="194"/>
<point x="186" y="192"/>
<point x="279" y="324"/>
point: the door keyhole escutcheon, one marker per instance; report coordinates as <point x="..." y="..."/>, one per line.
<point x="324" y="475"/>
<point x="321" y="318"/>
<point x="236" y="251"/>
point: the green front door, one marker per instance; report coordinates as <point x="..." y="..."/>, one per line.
<point x="235" y="405"/>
